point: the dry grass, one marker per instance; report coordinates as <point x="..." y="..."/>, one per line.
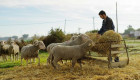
<point x="92" y="70"/>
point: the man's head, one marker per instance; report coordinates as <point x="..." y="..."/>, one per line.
<point x="102" y="14"/>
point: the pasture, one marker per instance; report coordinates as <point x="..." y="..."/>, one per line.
<point x="95" y="69"/>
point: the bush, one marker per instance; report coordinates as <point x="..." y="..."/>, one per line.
<point x="138" y="37"/>
<point x="55" y="36"/>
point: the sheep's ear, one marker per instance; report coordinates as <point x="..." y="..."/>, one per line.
<point x="36" y="43"/>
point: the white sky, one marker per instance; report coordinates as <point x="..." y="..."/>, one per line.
<point x="31" y="17"/>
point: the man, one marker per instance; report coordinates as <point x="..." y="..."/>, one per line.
<point x="107" y="24"/>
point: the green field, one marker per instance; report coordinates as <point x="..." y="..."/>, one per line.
<point x="10" y="64"/>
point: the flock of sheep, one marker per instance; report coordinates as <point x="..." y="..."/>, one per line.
<point x="74" y="49"/>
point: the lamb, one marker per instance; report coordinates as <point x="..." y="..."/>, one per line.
<point x="4" y="50"/>
<point x="37" y="51"/>
<point x="74" y="53"/>
<point x="77" y="41"/>
<point x="50" y="46"/>
<point x="13" y="50"/>
<point x="31" y="51"/>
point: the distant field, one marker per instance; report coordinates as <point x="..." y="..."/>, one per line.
<point x="92" y="70"/>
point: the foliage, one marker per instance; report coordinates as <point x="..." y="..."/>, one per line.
<point x="55" y="36"/>
<point x="138" y="37"/>
<point x="138" y="29"/>
<point x="25" y="36"/>
<point x="129" y="29"/>
<point x="92" y="31"/>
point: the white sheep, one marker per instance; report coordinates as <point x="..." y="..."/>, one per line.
<point x="31" y="51"/>
<point x="13" y="50"/>
<point x="74" y="53"/>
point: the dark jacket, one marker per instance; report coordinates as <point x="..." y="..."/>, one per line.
<point x="107" y="24"/>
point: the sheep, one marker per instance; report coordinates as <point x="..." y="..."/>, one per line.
<point x="13" y="50"/>
<point x="74" y="53"/>
<point x="31" y="45"/>
<point x="77" y="41"/>
<point x="31" y="51"/>
<point x="4" y="50"/>
<point x="50" y="46"/>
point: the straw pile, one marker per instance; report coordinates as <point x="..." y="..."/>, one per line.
<point x="102" y="44"/>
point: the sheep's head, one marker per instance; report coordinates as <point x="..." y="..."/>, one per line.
<point x="73" y="37"/>
<point x="12" y="42"/>
<point x="40" y="44"/>
<point x="2" y="43"/>
<point x="84" y="37"/>
<point x="90" y="43"/>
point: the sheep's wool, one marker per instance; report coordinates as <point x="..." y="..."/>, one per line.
<point x="102" y="46"/>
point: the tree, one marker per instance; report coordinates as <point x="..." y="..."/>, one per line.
<point x="55" y="36"/>
<point x="35" y="37"/>
<point x="129" y="29"/>
<point x="25" y="36"/>
<point x="15" y="37"/>
<point x="138" y="29"/>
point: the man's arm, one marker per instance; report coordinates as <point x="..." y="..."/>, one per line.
<point x="100" y="31"/>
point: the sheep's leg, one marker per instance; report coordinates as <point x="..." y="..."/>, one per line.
<point x="14" y="57"/>
<point x="55" y="65"/>
<point x="27" y="62"/>
<point x="3" y="58"/>
<point x="38" y="61"/>
<point x="30" y="61"/>
<point x="48" y="60"/>
<point x="89" y="53"/>
<point x="73" y="64"/>
<point x="10" y="57"/>
<point x="79" y="61"/>
<point x="17" y="56"/>
<point x="34" y="60"/>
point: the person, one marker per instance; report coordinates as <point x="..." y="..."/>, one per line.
<point x="107" y="24"/>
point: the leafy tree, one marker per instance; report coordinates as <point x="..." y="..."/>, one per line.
<point x="25" y="36"/>
<point x="138" y="29"/>
<point x="129" y="29"/>
<point x="55" y="36"/>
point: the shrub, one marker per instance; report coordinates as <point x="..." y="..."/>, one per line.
<point x="55" y="36"/>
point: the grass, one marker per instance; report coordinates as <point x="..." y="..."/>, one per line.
<point x="8" y="64"/>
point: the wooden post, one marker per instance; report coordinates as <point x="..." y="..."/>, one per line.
<point x="126" y="52"/>
<point x="109" y="57"/>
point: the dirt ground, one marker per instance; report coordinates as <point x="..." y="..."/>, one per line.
<point x="91" y="70"/>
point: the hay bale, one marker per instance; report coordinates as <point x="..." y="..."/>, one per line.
<point x="102" y="46"/>
<point x="93" y="36"/>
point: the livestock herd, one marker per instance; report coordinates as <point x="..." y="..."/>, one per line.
<point x="74" y="49"/>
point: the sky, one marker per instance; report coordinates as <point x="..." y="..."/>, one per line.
<point x="18" y="17"/>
